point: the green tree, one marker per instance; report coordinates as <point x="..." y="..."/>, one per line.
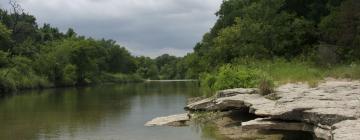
<point x="341" y="30"/>
<point x="147" y="68"/>
<point x="119" y="60"/>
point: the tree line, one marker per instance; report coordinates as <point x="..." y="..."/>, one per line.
<point x="35" y="56"/>
<point x="324" y="33"/>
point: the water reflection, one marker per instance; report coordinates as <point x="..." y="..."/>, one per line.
<point x="106" y="112"/>
<point x="101" y="112"/>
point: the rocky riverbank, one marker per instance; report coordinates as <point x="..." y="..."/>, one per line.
<point x="330" y="111"/>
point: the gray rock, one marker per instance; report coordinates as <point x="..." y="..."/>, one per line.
<point x="173" y="120"/>
<point x="193" y="99"/>
<point x="332" y="103"/>
<point x="202" y="105"/>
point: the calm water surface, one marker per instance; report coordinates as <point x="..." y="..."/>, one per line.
<point x="106" y="112"/>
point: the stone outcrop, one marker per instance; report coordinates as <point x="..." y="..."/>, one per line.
<point x="332" y="107"/>
<point x="173" y="120"/>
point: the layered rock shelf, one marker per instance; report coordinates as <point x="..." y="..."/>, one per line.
<point x="330" y="111"/>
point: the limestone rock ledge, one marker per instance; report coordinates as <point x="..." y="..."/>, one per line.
<point x="332" y="107"/>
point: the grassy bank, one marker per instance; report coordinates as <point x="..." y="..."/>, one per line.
<point x="274" y="73"/>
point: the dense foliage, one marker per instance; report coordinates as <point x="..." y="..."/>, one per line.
<point x="286" y="40"/>
<point x="33" y="56"/>
<point x="295" y="38"/>
<point x="324" y="32"/>
<point x="232" y="77"/>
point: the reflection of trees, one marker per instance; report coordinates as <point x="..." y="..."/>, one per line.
<point x="51" y="112"/>
<point x="167" y="93"/>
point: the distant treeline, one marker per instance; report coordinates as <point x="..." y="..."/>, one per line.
<point x="33" y="56"/>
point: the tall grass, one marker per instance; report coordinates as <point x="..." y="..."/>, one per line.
<point x="253" y="74"/>
<point x="345" y="71"/>
<point x="283" y="72"/>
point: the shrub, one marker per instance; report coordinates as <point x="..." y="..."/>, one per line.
<point x="236" y="77"/>
<point x="229" y="76"/>
<point x="6" y="84"/>
<point x="69" y="76"/>
<point x="266" y="86"/>
<point x="207" y="80"/>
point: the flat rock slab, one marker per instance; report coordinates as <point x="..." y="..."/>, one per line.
<point x="173" y="120"/>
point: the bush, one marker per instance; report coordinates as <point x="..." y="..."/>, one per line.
<point x="266" y="86"/>
<point x="6" y="84"/>
<point x="12" y="79"/>
<point x="235" y="77"/>
<point x="207" y="80"/>
<point x="69" y="75"/>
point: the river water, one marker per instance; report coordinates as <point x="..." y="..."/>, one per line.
<point x="106" y="112"/>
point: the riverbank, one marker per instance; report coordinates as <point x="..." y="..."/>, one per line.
<point x="330" y="111"/>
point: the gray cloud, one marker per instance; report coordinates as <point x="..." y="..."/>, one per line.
<point x="145" y="27"/>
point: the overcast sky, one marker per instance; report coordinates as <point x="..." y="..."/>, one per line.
<point x="145" y="27"/>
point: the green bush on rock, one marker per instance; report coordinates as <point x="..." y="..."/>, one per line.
<point x="229" y="76"/>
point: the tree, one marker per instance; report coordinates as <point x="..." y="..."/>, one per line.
<point x="48" y="33"/>
<point x="70" y="33"/>
<point x="341" y="30"/>
<point x="147" y="68"/>
<point x="119" y="60"/>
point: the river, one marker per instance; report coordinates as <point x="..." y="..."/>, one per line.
<point x="105" y="112"/>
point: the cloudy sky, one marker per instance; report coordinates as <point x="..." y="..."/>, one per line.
<point x="145" y="27"/>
